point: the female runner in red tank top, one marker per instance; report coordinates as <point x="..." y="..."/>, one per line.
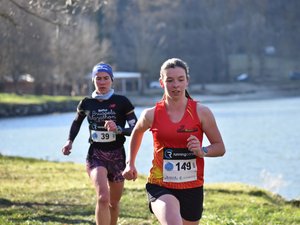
<point x="177" y="123"/>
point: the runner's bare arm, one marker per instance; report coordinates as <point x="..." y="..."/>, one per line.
<point x="211" y="130"/>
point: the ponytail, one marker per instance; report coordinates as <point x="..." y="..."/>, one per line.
<point x="187" y="94"/>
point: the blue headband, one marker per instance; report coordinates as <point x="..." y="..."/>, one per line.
<point x="102" y="67"/>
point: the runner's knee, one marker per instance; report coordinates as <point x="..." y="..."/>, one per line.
<point x="103" y="200"/>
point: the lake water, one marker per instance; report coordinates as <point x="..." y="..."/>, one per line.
<point x="262" y="139"/>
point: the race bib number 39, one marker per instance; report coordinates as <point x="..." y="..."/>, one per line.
<point x="179" y="165"/>
<point x="103" y="136"/>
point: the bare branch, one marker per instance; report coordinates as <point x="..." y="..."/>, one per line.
<point x="34" y="14"/>
<point x="7" y="17"/>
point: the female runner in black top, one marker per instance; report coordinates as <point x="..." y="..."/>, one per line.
<point x="107" y="114"/>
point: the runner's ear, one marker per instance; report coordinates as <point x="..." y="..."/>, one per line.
<point x="161" y="83"/>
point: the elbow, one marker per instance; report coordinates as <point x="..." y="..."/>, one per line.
<point x="223" y="151"/>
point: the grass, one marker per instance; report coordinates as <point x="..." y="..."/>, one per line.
<point x="6" y="98"/>
<point x="42" y="192"/>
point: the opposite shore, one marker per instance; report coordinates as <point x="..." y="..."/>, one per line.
<point x="203" y="93"/>
<point x="230" y="92"/>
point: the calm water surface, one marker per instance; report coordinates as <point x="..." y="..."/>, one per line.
<point x="261" y="138"/>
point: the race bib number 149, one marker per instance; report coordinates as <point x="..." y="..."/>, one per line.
<point x="179" y="165"/>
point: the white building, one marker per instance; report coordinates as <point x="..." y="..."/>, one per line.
<point x="127" y="82"/>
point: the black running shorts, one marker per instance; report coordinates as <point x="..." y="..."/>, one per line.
<point x="190" y="200"/>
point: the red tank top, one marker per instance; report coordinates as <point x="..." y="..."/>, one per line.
<point x="173" y="166"/>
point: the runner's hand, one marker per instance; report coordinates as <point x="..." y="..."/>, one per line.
<point x="193" y="144"/>
<point x="67" y="148"/>
<point x="130" y="173"/>
<point x="110" y="125"/>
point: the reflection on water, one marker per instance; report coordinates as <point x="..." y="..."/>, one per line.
<point x="261" y="138"/>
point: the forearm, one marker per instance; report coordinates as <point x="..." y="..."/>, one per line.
<point x="75" y="127"/>
<point x="134" y="146"/>
<point x="124" y="131"/>
<point x="131" y="120"/>
<point x="143" y="124"/>
<point x="215" y="150"/>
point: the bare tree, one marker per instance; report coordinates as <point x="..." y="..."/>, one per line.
<point x="29" y="27"/>
<point x="58" y="41"/>
<point x="77" y="49"/>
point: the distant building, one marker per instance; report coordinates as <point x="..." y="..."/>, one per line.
<point x="25" y="84"/>
<point x="264" y="68"/>
<point x="124" y="82"/>
<point x="127" y="82"/>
